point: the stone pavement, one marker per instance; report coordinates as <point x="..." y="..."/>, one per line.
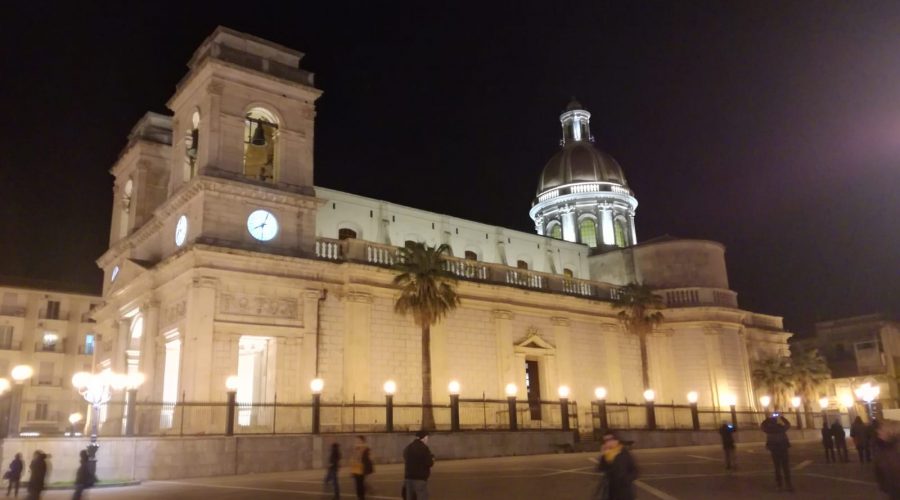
<point x="682" y="473"/>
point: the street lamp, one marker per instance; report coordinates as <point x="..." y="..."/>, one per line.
<point x="823" y="405"/>
<point x="795" y="402"/>
<point x="731" y="401"/>
<point x="511" y="391"/>
<point x="20" y="374"/>
<point x="564" y="406"/>
<point x="649" y="396"/>
<point x="96" y="389"/>
<point x="74" y="418"/>
<point x="316" y="386"/>
<point x="695" y="413"/>
<point x="600" y="395"/>
<point x="764" y="401"/>
<point x="868" y="393"/>
<point x="231" y="386"/>
<point x="453" y="389"/>
<point x="390" y="387"/>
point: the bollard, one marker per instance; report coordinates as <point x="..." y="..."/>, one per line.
<point x="389" y="412"/>
<point x="454" y="412"/>
<point x="229" y="415"/>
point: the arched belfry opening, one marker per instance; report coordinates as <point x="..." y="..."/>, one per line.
<point x="260" y="145"/>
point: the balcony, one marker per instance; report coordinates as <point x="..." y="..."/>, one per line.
<point x="10" y="346"/>
<point x="60" y="316"/>
<point x="353" y="250"/>
<point x="58" y="347"/>
<point x="698" y="296"/>
<point x="40" y="381"/>
<point x="12" y="311"/>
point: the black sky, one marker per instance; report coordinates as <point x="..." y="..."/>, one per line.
<point x="771" y="127"/>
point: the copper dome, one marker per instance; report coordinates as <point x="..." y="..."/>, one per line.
<point x="580" y="161"/>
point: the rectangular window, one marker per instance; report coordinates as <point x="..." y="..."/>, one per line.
<point x="170" y="383"/>
<point x="6" y="336"/>
<point x="45" y="373"/>
<point x="41" y="410"/>
<point x="49" y="342"/>
<point x="52" y="309"/>
<point x="88" y="344"/>
<point x="10" y="304"/>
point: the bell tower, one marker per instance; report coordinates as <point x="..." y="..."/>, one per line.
<point x="245" y="112"/>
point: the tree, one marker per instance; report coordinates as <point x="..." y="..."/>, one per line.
<point x="639" y="313"/>
<point x="427" y="291"/>
<point x="808" y="371"/>
<point x="773" y="375"/>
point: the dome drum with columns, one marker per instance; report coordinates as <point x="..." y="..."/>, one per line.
<point x="582" y="194"/>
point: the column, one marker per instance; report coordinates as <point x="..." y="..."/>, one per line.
<point x="615" y="390"/>
<point x="713" y="363"/>
<point x="439" y="376"/>
<point x="309" y="348"/>
<point x="632" y="233"/>
<point x="357" y="338"/>
<point x="197" y="341"/>
<point x="746" y="374"/>
<point x="505" y="358"/>
<point x="564" y="353"/>
<point x="147" y="361"/>
<point x="570" y="231"/>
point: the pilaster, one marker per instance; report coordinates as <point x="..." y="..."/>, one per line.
<point x="615" y="389"/>
<point x="309" y="346"/>
<point x="147" y="360"/>
<point x="563" y="335"/>
<point x="197" y="346"/>
<point x="357" y="349"/>
<point x="505" y="356"/>
<point x="713" y="360"/>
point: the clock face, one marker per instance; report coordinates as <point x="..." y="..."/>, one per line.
<point x="181" y="229"/>
<point x="114" y="273"/>
<point x="262" y="225"/>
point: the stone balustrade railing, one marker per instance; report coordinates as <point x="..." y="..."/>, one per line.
<point x="354" y="250"/>
<point x="698" y="296"/>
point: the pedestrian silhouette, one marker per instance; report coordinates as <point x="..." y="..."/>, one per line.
<point x="331" y="477"/>
<point x="840" y="440"/>
<point x="777" y="442"/>
<point x="859" y="432"/>
<point x="726" y="432"/>
<point x="14" y="474"/>
<point x="828" y="442"/>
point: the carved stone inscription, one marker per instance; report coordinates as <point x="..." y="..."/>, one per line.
<point x="258" y="305"/>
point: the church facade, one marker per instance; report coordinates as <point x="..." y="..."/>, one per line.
<point x="225" y="259"/>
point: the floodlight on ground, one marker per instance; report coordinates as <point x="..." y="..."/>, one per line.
<point x="600" y="393"/>
<point x="232" y="382"/>
<point x="390" y="387"/>
<point x="823" y="403"/>
<point x="765" y="401"/>
<point x="511" y="390"/>
<point x="75" y="418"/>
<point x="453" y="387"/>
<point x="692" y="397"/>
<point x="649" y="395"/>
<point x="795" y="401"/>
<point x="317" y="385"/>
<point x="22" y="373"/>
<point x="563" y="391"/>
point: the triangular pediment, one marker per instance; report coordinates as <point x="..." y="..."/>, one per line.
<point x="534" y="341"/>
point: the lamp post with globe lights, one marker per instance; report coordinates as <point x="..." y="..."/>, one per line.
<point x="731" y="401"/>
<point x="795" y="402"/>
<point x="868" y="393"/>
<point x="19" y="374"/>
<point x="764" y="402"/>
<point x="74" y="418"/>
<point x="695" y="412"/>
<point x="390" y="387"/>
<point x="823" y="405"/>
<point x="564" y="406"/>
<point x="511" y="391"/>
<point x="600" y="397"/>
<point x="316" y="387"/>
<point x="96" y="389"/>
<point x="649" y="396"/>
<point x="453" y="389"/>
<point x="231" y="387"/>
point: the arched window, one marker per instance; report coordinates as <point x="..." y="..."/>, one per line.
<point x="555" y="231"/>
<point x="191" y="146"/>
<point x="346" y="234"/>
<point x="260" y="139"/>
<point x="521" y="264"/>
<point x="470" y="255"/>
<point x="127" y="192"/>
<point x="568" y="273"/>
<point x="588" y="232"/>
<point x="619" y="226"/>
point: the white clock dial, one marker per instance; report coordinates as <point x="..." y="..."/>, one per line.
<point x="262" y="225"/>
<point x="181" y="229"/>
<point x="114" y="273"/>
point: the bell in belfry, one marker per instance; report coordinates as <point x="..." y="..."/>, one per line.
<point x="259" y="136"/>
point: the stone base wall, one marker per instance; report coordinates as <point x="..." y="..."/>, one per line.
<point x="669" y="439"/>
<point x="145" y="458"/>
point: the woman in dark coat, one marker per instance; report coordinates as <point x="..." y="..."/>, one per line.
<point x="619" y="470"/>
<point x="840" y="440"/>
<point x="859" y="432"/>
<point x="38" y="475"/>
<point x="828" y="443"/>
<point x="14" y="474"/>
<point x="85" y="476"/>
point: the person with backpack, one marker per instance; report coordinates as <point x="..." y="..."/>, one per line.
<point x="38" y="477"/>
<point x="14" y="474"/>
<point x="361" y="466"/>
<point x="86" y="476"/>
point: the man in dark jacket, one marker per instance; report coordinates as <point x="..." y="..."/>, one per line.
<point x="85" y="476"/>
<point x="418" y="460"/>
<point x="886" y="444"/>
<point x="777" y="442"/>
<point x="38" y="476"/>
<point x="727" y="433"/>
<point x="840" y="440"/>
<point x="619" y="469"/>
<point x="828" y="442"/>
<point x="859" y="432"/>
<point x="15" y="474"/>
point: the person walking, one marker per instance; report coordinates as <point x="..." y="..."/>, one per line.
<point x="619" y="468"/>
<point x="886" y="448"/>
<point x="85" y="476"/>
<point x="777" y="442"/>
<point x="361" y="466"/>
<point x="859" y="432"/>
<point x="417" y="463"/>
<point x="14" y="474"/>
<point x="840" y="440"/>
<point x="726" y="432"/>
<point x="38" y="477"/>
<point x="828" y="443"/>
<point x="331" y="477"/>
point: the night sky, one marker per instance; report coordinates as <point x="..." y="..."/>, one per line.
<point x="773" y="128"/>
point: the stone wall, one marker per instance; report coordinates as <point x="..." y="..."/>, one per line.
<point x="146" y="458"/>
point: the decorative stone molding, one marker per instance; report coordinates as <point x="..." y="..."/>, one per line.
<point x="174" y="312"/>
<point x="361" y="297"/>
<point x="215" y="88"/>
<point x="258" y="305"/>
<point x="502" y="314"/>
<point x="560" y="321"/>
<point x="205" y="282"/>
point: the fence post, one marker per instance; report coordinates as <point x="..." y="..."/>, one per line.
<point x="695" y="416"/>
<point x="513" y="421"/>
<point x="389" y="412"/>
<point x="564" y="413"/>
<point x="229" y="415"/>
<point x="651" y="415"/>
<point x="454" y="413"/>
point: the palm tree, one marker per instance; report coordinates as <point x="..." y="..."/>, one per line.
<point x="774" y="376"/>
<point x="427" y="291"/>
<point x="808" y="371"/>
<point x="639" y="313"/>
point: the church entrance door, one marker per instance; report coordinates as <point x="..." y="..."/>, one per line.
<point x="533" y="386"/>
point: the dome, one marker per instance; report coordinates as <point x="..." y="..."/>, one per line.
<point x="580" y="161"/>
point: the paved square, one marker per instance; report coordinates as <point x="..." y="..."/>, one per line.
<point x="682" y="473"/>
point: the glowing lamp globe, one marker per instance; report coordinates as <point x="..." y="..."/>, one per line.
<point x="563" y="391"/>
<point x="692" y="397"/>
<point x="649" y="395"/>
<point x="453" y="387"/>
<point x="600" y="393"/>
<point x="823" y="403"/>
<point x="4" y="385"/>
<point x="135" y="380"/>
<point x="795" y="401"/>
<point x="75" y="417"/>
<point x="22" y="373"/>
<point x="232" y="382"/>
<point x="390" y="387"/>
<point x="511" y="390"/>
<point x="81" y="380"/>
<point x="317" y="385"/>
<point x="847" y="401"/>
<point x="730" y="400"/>
<point x="765" y="401"/>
